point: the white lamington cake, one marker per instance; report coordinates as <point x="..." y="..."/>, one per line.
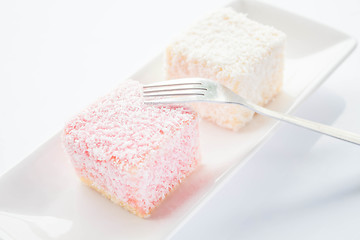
<point x="244" y="55"/>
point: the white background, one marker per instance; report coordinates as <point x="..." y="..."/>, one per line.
<point x="54" y="60"/>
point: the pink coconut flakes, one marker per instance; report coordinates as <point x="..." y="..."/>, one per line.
<point x="133" y="153"/>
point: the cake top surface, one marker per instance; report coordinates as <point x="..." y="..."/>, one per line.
<point x="121" y="128"/>
<point x="226" y="37"/>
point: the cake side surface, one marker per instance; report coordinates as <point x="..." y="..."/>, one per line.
<point x="124" y="149"/>
<point x="243" y="55"/>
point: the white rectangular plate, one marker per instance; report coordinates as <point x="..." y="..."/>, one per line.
<point x="42" y="198"/>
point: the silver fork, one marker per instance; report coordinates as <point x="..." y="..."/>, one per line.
<point x="204" y="90"/>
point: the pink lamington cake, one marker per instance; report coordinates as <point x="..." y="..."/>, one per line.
<point x="132" y="153"/>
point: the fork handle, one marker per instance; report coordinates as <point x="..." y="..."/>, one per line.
<point x="317" y="127"/>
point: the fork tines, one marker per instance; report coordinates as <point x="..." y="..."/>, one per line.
<point x="178" y="87"/>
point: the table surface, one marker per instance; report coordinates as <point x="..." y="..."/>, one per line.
<point x="309" y="187"/>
